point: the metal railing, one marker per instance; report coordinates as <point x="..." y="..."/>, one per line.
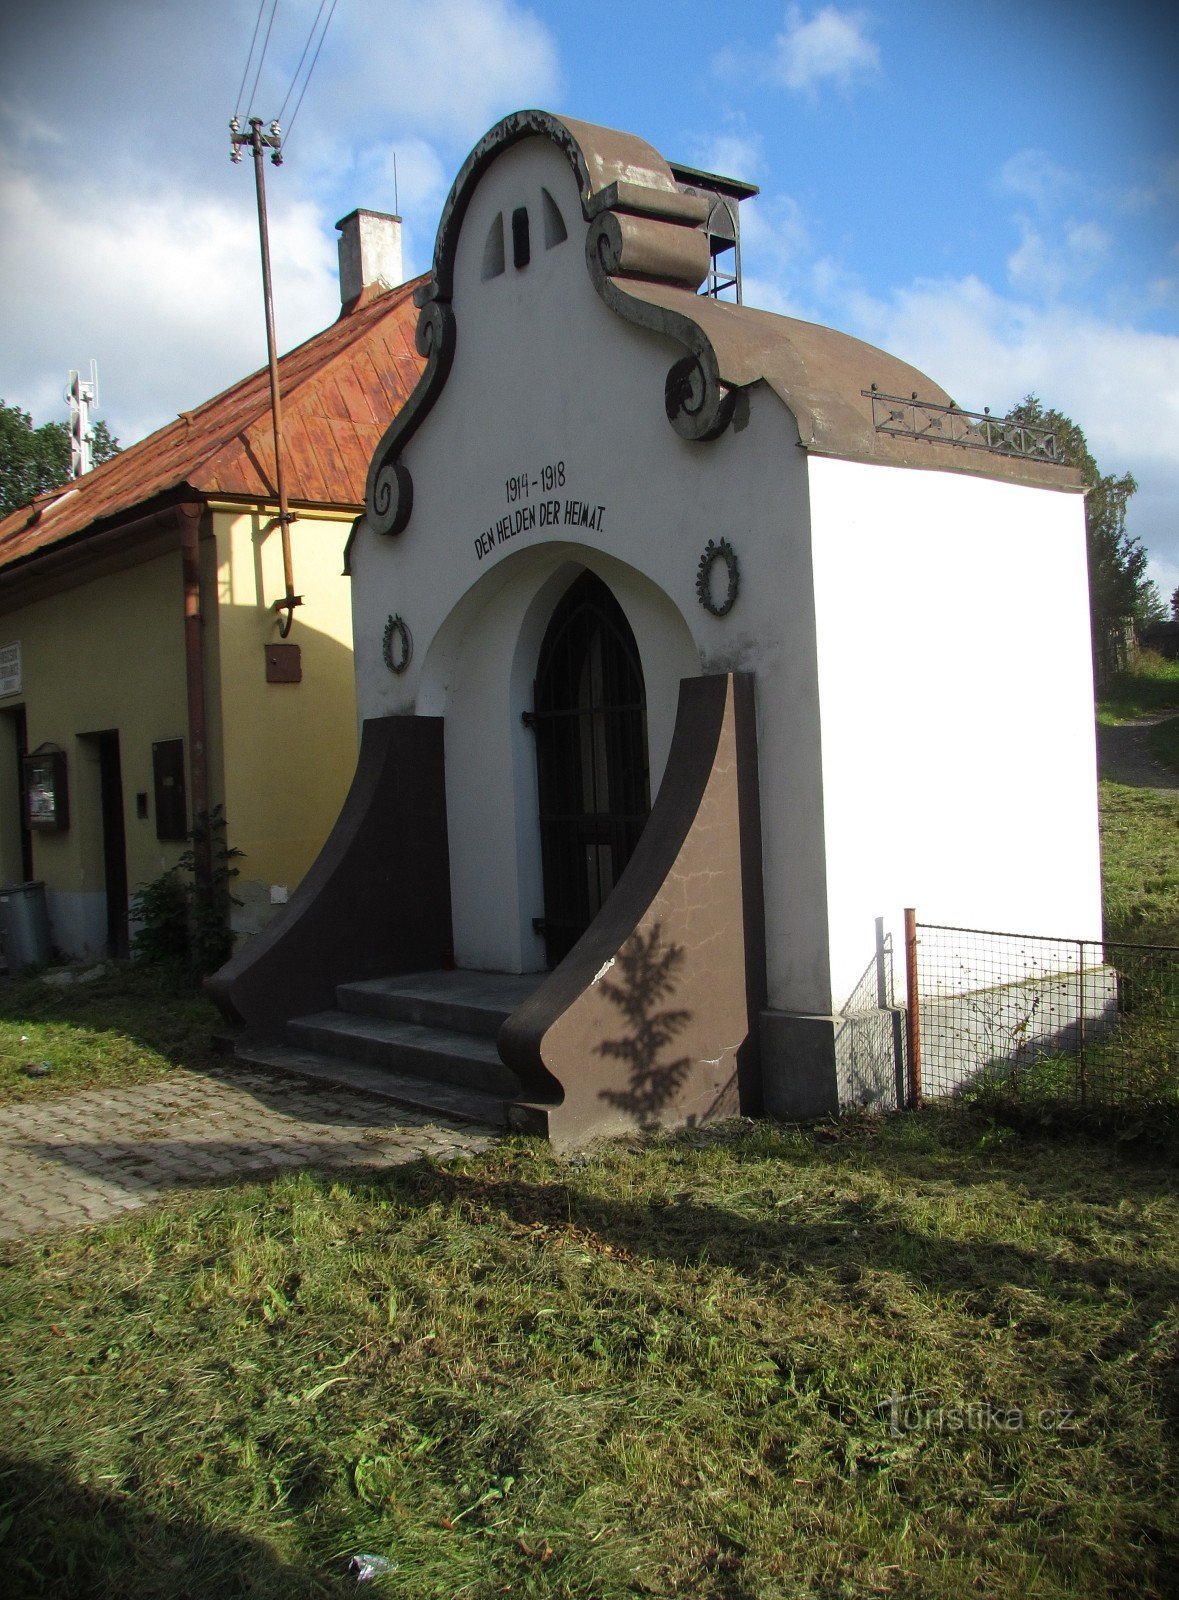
<point x="1088" y="1022"/>
<point x="911" y="418"/>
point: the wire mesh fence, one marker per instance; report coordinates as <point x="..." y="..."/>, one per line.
<point x="1087" y="1022"/>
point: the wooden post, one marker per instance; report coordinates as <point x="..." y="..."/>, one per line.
<point x="912" y="1021"/>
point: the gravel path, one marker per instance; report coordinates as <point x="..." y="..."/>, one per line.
<point x="87" y="1157"/>
<point x="1123" y="755"/>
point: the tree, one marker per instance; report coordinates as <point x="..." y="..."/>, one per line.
<point x="35" y="459"/>
<point x="1175" y="606"/>
<point x="1118" y="585"/>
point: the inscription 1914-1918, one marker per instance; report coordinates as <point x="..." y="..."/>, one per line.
<point x="536" y="512"/>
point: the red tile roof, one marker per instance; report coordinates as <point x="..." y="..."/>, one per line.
<point x="340" y="390"/>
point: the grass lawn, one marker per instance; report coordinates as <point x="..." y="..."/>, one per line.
<point x="665" y="1369"/>
<point x="1152" y="687"/>
<point x="925" y="1357"/>
<point x="125" y="1027"/>
<point x="1140" y="864"/>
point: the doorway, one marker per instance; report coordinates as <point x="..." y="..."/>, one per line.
<point x="590" y="720"/>
<point x="105" y="747"/>
<point x="16" y="839"/>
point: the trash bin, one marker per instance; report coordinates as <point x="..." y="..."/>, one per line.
<point x="24" y="925"/>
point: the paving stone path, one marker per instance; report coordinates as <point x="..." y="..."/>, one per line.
<point x="87" y="1157"/>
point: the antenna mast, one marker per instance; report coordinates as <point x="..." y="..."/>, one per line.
<point x="81" y="397"/>
<point x="258" y="143"/>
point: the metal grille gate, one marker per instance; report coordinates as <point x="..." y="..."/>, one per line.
<point x="590" y="721"/>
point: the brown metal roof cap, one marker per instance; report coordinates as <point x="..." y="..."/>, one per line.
<point x="611" y="156"/>
<point x="820" y="374"/>
<point x="646" y="258"/>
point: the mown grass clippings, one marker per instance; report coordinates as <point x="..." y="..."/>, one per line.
<point x="1140" y="864"/>
<point x="1151" y="685"/>
<point x="127" y="1026"/>
<point x="678" y="1366"/>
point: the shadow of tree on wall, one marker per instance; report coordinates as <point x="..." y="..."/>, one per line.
<point x="645" y="975"/>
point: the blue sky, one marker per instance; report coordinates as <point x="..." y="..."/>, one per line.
<point x="990" y="191"/>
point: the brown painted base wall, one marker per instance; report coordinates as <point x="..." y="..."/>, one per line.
<point x="370" y="906"/>
<point x="652" y="1018"/>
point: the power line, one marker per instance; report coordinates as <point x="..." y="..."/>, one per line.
<point x="307" y="46"/>
<point x="237" y="105"/>
<point x="311" y="68"/>
<point x="262" y="57"/>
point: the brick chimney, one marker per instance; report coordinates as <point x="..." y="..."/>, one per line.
<point x="370" y="253"/>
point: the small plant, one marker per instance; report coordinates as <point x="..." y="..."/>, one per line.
<point x="1150" y="684"/>
<point x="183" y="914"/>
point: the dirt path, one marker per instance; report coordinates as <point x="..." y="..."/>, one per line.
<point x="1123" y="755"/>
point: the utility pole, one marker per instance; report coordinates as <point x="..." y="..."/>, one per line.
<point x="81" y="397"/>
<point x="258" y="143"/>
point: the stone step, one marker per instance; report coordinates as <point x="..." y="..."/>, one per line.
<point x="460" y="1002"/>
<point x="408" y="1047"/>
<point x="427" y="1097"/>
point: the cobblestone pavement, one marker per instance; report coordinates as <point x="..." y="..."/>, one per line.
<point x="88" y="1157"/>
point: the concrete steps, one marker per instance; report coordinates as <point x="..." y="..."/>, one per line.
<point x="425" y="1041"/>
<point x="461" y="1002"/>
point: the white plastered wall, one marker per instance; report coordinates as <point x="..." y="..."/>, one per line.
<point x="479" y="676"/>
<point x="959" y="765"/>
<point x="544" y="374"/>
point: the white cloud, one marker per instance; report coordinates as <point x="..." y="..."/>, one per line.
<point x="1035" y="176"/>
<point x="166" y="296"/>
<point x="832" y="46"/>
<point x="1088" y="239"/>
<point x="1166" y="575"/>
<point x="774" y="233"/>
<point x="450" y="68"/>
<point x="144" y="254"/>
<point x="731" y="154"/>
<point x="1044" y="268"/>
<point x="1120" y="384"/>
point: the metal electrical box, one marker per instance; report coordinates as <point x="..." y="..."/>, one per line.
<point x="167" y="766"/>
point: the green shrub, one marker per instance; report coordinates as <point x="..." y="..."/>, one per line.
<point x="1151" y="684"/>
<point x="183" y="922"/>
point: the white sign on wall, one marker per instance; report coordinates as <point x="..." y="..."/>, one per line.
<point x="10" y="677"/>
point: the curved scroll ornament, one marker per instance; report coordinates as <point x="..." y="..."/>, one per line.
<point x="652" y="235"/>
<point x="389" y="491"/>
<point x="717" y="550"/>
<point x="699" y="405"/>
<point x="397" y="645"/>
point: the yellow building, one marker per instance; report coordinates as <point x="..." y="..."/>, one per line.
<point x="143" y="679"/>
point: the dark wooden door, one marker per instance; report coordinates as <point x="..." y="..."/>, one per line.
<point x="114" y="842"/>
<point x="590" y="720"/>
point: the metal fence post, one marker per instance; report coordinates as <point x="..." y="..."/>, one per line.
<point x="1081" y="1019"/>
<point x="912" y="1022"/>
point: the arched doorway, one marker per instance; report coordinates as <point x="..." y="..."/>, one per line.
<point x="590" y="720"/>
